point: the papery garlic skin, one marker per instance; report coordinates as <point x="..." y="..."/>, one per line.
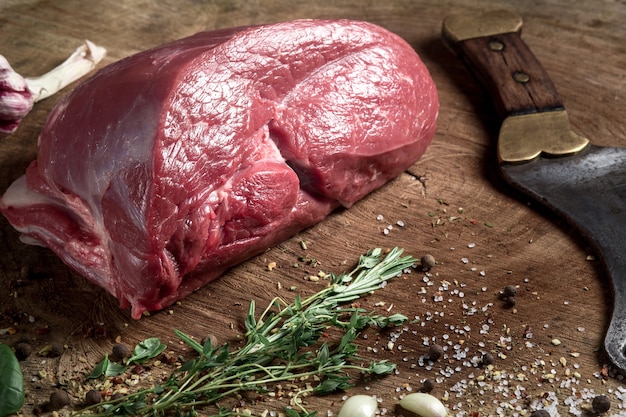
<point x="16" y="99"/>
<point x="18" y="94"/>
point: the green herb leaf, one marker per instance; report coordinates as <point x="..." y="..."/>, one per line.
<point x="282" y="344"/>
<point x="114" y="369"/>
<point x="323" y="355"/>
<point x="98" y="371"/>
<point x="383" y="367"/>
<point x="147" y="349"/>
<point x="291" y="412"/>
<point x="11" y="382"/>
<point x="106" y="368"/>
<point x="190" y="342"/>
<point x="332" y="384"/>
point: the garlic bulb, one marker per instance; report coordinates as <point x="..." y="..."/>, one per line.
<point x="16" y="99"/>
<point x="18" y="94"/>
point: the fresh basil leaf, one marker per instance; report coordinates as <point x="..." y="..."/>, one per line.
<point x="100" y="368"/>
<point x="147" y="349"/>
<point x="11" y="382"/>
<point x="114" y="369"/>
<point x="291" y="412"/>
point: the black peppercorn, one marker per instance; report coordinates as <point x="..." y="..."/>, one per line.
<point x="120" y="351"/>
<point x="93" y="397"/>
<point x="487" y="359"/>
<point x="428" y="262"/>
<point x="601" y="404"/>
<point x="23" y="350"/>
<point x="428" y="385"/>
<point x="58" y="400"/>
<point x="435" y="352"/>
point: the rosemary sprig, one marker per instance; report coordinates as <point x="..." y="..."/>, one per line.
<point x="282" y="344"/>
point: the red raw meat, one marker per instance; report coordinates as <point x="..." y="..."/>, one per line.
<point x="170" y="166"/>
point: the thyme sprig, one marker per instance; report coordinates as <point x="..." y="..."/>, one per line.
<point x="282" y="344"/>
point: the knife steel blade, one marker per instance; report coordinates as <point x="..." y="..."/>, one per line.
<point x="541" y="155"/>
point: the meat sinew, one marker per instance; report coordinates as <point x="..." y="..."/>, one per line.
<point x="170" y="166"/>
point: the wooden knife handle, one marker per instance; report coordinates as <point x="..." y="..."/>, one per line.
<point x="492" y="47"/>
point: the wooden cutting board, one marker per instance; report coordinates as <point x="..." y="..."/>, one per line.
<point x="451" y="204"/>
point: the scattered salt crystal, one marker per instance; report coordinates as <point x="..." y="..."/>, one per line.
<point x="380" y="218"/>
<point x="471" y="245"/>
<point x="400" y="223"/>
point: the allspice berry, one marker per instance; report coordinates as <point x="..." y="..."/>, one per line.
<point x="427" y="386"/>
<point x="22" y="350"/>
<point x="540" y="413"/>
<point x="601" y="403"/>
<point x="93" y="397"/>
<point x="509" y="291"/>
<point x="487" y="359"/>
<point x="428" y="261"/>
<point x="58" y="399"/>
<point x="435" y="352"/>
<point x="120" y="351"/>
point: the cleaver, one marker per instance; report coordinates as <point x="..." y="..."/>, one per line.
<point x="541" y="155"/>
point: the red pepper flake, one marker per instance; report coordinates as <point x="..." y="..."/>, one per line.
<point x="604" y="372"/>
<point x="43" y="330"/>
<point x="138" y="370"/>
<point x="473" y="221"/>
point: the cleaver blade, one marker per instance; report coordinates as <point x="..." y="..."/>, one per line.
<point x="540" y="154"/>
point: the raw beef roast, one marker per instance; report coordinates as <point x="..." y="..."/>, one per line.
<point x="170" y="166"/>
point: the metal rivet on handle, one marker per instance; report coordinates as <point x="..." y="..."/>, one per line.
<point x="521" y="77"/>
<point x="496" y="46"/>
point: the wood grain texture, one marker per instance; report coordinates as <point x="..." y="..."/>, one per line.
<point x="453" y="205"/>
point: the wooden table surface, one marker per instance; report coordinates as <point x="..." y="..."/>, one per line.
<point x="452" y="204"/>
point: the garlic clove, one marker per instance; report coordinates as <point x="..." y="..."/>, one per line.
<point x="359" y="406"/>
<point x="423" y="405"/>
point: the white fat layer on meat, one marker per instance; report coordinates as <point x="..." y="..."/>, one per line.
<point x="19" y="195"/>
